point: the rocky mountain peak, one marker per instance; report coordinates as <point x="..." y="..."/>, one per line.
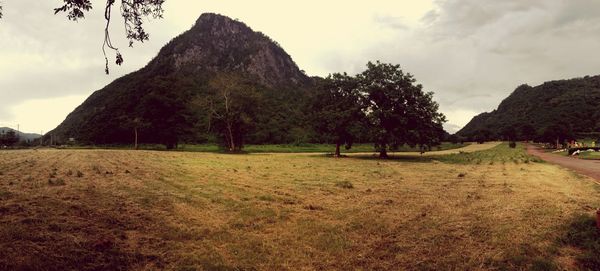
<point x="217" y="43"/>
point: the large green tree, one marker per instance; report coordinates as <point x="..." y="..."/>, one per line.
<point x="338" y="110"/>
<point x="400" y="112"/>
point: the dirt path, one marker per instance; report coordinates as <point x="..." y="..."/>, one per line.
<point x="587" y="167"/>
<point x="470" y="148"/>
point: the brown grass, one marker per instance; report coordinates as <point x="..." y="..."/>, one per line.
<point x="160" y="210"/>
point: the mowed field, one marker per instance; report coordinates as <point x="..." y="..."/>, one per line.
<point x="497" y="209"/>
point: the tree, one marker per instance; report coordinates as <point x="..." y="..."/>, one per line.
<point x="132" y="11"/>
<point x="165" y="106"/>
<point x="528" y="132"/>
<point x="338" y="110"/>
<point x="399" y="111"/>
<point x="9" y="138"/>
<point x="483" y="135"/>
<point x="232" y="107"/>
<point x="509" y="133"/>
<point x="136" y="124"/>
<point x="557" y="134"/>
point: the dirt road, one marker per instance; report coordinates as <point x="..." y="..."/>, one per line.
<point x="587" y="167"/>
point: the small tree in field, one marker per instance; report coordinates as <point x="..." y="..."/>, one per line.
<point x="136" y="124"/>
<point x="400" y="112"/>
<point x="338" y="110"/>
<point x="232" y="109"/>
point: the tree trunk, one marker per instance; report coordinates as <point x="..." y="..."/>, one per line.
<point x="231" y="141"/>
<point x="136" y="138"/>
<point x="383" y="154"/>
<point x="337" y="150"/>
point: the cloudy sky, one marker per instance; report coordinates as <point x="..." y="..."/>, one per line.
<point x="471" y="53"/>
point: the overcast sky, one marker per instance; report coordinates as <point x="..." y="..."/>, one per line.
<point x="471" y="53"/>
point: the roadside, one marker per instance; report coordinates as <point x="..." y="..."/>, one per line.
<point x="587" y="167"/>
<point x="467" y="149"/>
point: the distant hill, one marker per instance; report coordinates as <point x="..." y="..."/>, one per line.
<point x="573" y="103"/>
<point x="26" y="136"/>
<point x="165" y="93"/>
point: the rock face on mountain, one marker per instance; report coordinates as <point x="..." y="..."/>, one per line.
<point x="161" y="99"/>
<point x="573" y="104"/>
<point x="217" y="44"/>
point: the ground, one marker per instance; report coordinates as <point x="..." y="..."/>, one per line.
<point x="116" y="209"/>
<point x="589" y="167"/>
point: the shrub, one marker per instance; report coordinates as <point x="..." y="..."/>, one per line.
<point x="344" y="184"/>
<point x="57" y="182"/>
<point x="512" y="144"/>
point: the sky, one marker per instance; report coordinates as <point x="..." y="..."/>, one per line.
<point x="470" y="53"/>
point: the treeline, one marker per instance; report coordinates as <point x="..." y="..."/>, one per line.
<point x="560" y="110"/>
<point x="559" y="133"/>
<point x="8" y="138"/>
<point x="382" y="105"/>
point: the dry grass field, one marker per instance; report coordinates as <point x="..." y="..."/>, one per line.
<point x="143" y="210"/>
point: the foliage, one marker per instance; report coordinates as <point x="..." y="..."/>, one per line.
<point x="509" y="133"/>
<point x="482" y="136"/>
<point x="8" y="138"/>
<point x="557" y="133"/>
<point x="399" y="111"/>
<point x="231" y="106"/>
<point x="337" y="110"/>
<point x="527" y="132"/>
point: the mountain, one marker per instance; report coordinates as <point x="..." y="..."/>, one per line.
<point x="574" y="104"/>
<point x="163" y="97"/>
<point x="26" y="136"/>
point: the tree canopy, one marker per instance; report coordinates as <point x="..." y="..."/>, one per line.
<point x="338" y="110"/>
<point x="400" y="112"/>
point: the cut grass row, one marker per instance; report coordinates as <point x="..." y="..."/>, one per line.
<point x="275" y="148"/>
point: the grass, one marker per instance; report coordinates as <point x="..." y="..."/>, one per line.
<point x="583" y="235"/>
<point x="211" y="211"/>
<point x="590" y="155"/>
<point x="274" y="148"/>
<point x="500" y="154"/>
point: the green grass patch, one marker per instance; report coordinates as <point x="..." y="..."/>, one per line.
<point x="590" y="155"/>
<point x="500" y="154"/>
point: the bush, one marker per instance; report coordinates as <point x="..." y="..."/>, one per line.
<point x="344" y="184"/>
<point x="512" y="144"/>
